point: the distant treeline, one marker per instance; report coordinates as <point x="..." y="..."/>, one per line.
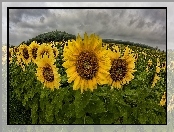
<point x="58" y="36"/>
<point x="128" y="43"/>
<point x="55" y="36"/>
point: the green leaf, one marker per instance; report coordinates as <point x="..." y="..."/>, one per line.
<point x="95" y="105"/>
<point x="34" y="114"/>
<point x="130" y="92"/>
<point x="79" y="121"/>
<point x="70" y="111"/>
<point x="42" y="95"/>
<point x="80" y="102"/>
<point x="58" y="98"/>
<point x="107" y="118"/>
<point x="88" y="120"/>
<point x="80" y="113"/>
<point x="142" y="119"/>
<point x="49" y="112"/>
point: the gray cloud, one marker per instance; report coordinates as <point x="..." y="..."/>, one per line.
<point x="16" y="15"/>
<point x="155" y="14"/>
<point x="143" y="26"/>
<point x="42" y="19"/>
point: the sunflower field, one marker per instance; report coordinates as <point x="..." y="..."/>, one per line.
<point x="59" y="78"/>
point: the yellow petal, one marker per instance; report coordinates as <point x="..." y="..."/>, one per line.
<point x="76" y="83"/>
<point x="82" y="85"/>
<point x="73" y="77"/>
<point x="94" y="83"/>
<point x="90" y="86"/>
<point x="71" y="70"/>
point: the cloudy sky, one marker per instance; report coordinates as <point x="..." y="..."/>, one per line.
<point x="147" y="26"/>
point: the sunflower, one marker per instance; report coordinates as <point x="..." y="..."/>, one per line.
<point x="87" y="62"/>
<point x="144" y="54"/>
<point x="106" y="45"/>
<point x="136" y="56"/>
<point x="158" y="66"/>
<point x="149" y="62"/>
<point x="163" y="99"/>
<point x="156" y="78"/>
<point x="15" y="49"/>
<point x="147" y="69"/>
<point x="47" y="72"/>
<point x="44" y="49"/>
<point x="158" y="69"/>
<point x="18" y="58"/>
<point x="33" y="50"/>
<point x="24" y="53"/>
<point x="55" y="51"/>
<point x="10" y="55"/>
<point x="122" y="67"/>
<point x="52" y="43"/>
<point x="163" y="66"/>
<point x="56" y="43"/>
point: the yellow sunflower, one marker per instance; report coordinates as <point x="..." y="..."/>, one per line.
<point x="44" y="49"/>
<point x="24" y="53"/>
<point x="163" y="66"/>
<point x="54" y="44"/>
<point x="144" y="54"/>
<point x="158" y="66"/>
<point x="47" y="73"/>
<point x="55" y="51"/>
<point x="155" y="80"/>
<point x="87" y="62"/>
<point x="122" y="67"/>
<point x="10" y="55"/>
<point x="15" y="49"/>
<point x="147" y="69"/>
<point x="33" y="50"/>
<point x="18" y="58"/>
<point x="163" y="99"/>
<point x="149" y="62"/>
<point x="136" y="56"/>
<point x="158" y="69"/>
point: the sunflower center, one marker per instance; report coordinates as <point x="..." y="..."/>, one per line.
<point x="34" y="53"/>
<point x="87" y="65"/>
<point x="118" y="69"/>
<point x="48" y="74"/>
<point x="25" y="53"/>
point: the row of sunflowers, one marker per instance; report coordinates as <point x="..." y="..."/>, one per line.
<point x="89" y="64"/>
<point x="93" y="68"/>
